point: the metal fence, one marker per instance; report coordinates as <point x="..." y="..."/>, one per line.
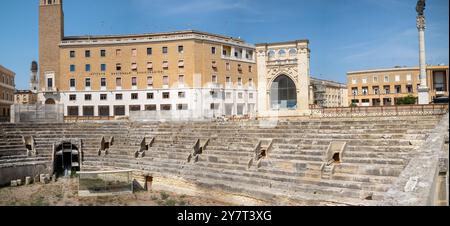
<point x="398" y="110"/>
<point x="37" y="113"/>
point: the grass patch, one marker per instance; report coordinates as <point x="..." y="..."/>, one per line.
<point x="164" y="195"/>
<point x="40" y="201"/>
<point x="171" y="202"/>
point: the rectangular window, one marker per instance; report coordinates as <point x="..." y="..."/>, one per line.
<point x="364" y="80"/>
<point x="166" y="80"/>
<point x="165" y="65"/>
<point x="103" y="96"/>
<point x="87" y="53"/>
<point x="134" y="66"/>
<point x="72" y="83"/>
<point x="182" y="107"/>
<point x="150" y="107"/>
<point x="409" y="88"/>
<point x="228" y="67"/>
<point x="119" y="82"/>
<point x="150" y="96"/>
<point x="376" y="90"/>
<point x="398" y="89"/>
<point x="118" y="52"/>
<point x="397" y="78"/>
<point x="87" y="97"/>
<point x="386" y="78"/>
<point x="214" y="79"/>
<point x="228" y="95"/>
<point x="149" y="51"/>
<point x="228" y="80"/>
<point x="365" y="91"/>
<point x="119" y="110"/>
<point x="49" y="83"/>
<point x="250" y="82"/>
<point x="375" y="79"/>
<point x="387" y="89"/>
<point x="118" y="67"/>
<point x="149" y="66"/>
<point x="72" y="54"/>
<point x="180" y="79"/>
<point x="181" y="64"/>
<point x="165" y="50"/>
<point x="240" y="95"/>
<point x="103" y="82"/>
<point x="181" y="95"/>
<point x="134" y="96"/>
<point x="213" y="50"/>
<point x="72" y="97"/>
<point x="135" y="107"/>
<point x="119" y="96"/>
<point x="180" y="49"/>
<point x="88" y="82"/>
<point x="102" y="53"/>
<point x="354" y="81"/>
<point x="214" y="106"/>
<point x="239" y="81"/>
<point x="88" y="67"/>
<point x="250" y="96"/>
<point x="250" y="69"/>
<point x="72" y="110"/>
<point x="166" y="107"/>
<point x="166" y="95"/>
<point x="134" y="81"/>
<point x="149" y="81"/>
<point x="72" y="68"/>
<point x="355" y="91"/>
<point x="103" y="67"/>
<point x="408" y="77"/>
<point x="134" y="52"/>
<point x="103" y="110"/>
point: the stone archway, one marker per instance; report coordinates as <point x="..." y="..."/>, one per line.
<point x="283" y="93"/>
<point x="50" y="101"/>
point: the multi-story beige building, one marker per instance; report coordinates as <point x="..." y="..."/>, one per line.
<point x="189" y="71"/>
<point x="384" y="86"/>
<point x="328" y="94"/>
<point x="25" y="97"/>
<point x="6" y="92"/>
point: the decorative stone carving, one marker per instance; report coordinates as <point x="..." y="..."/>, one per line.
<point x="421" y="23"/>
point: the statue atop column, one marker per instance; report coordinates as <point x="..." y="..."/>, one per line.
<point x="420" y="7"/>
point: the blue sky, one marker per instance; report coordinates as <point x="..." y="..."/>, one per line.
<point x="344" y="35"/>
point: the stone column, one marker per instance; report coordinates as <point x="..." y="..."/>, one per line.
<point x="424" y="97"/>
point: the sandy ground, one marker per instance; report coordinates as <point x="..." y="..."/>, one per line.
<point x="64" y="193"/>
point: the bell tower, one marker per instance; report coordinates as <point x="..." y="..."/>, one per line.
<point x="51" y="32"/>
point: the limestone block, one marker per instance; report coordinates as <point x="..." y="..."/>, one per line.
<point x="13" y="183"/>
<point x="27" y="180"/>
<point x="19" y="182"/>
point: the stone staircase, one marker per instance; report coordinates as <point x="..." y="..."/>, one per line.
<point x="376" y="153"/>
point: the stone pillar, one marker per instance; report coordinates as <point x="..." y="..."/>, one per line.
<point x="424" y="97"/>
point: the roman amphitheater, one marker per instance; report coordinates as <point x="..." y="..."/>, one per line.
<point x="366" y="160"/>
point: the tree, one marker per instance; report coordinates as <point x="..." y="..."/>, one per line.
<point x="409" y="100"/>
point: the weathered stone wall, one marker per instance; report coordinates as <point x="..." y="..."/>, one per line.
<point x="9" y="173"/>
<point x="417" y="184"/>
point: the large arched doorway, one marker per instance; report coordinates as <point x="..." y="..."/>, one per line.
<point x="283" y="93"/>
<point x="67" y="159"/>
<point x="50" y="101"/>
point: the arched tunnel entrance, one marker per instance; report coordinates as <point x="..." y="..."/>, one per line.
<point x="67" y="159"/>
